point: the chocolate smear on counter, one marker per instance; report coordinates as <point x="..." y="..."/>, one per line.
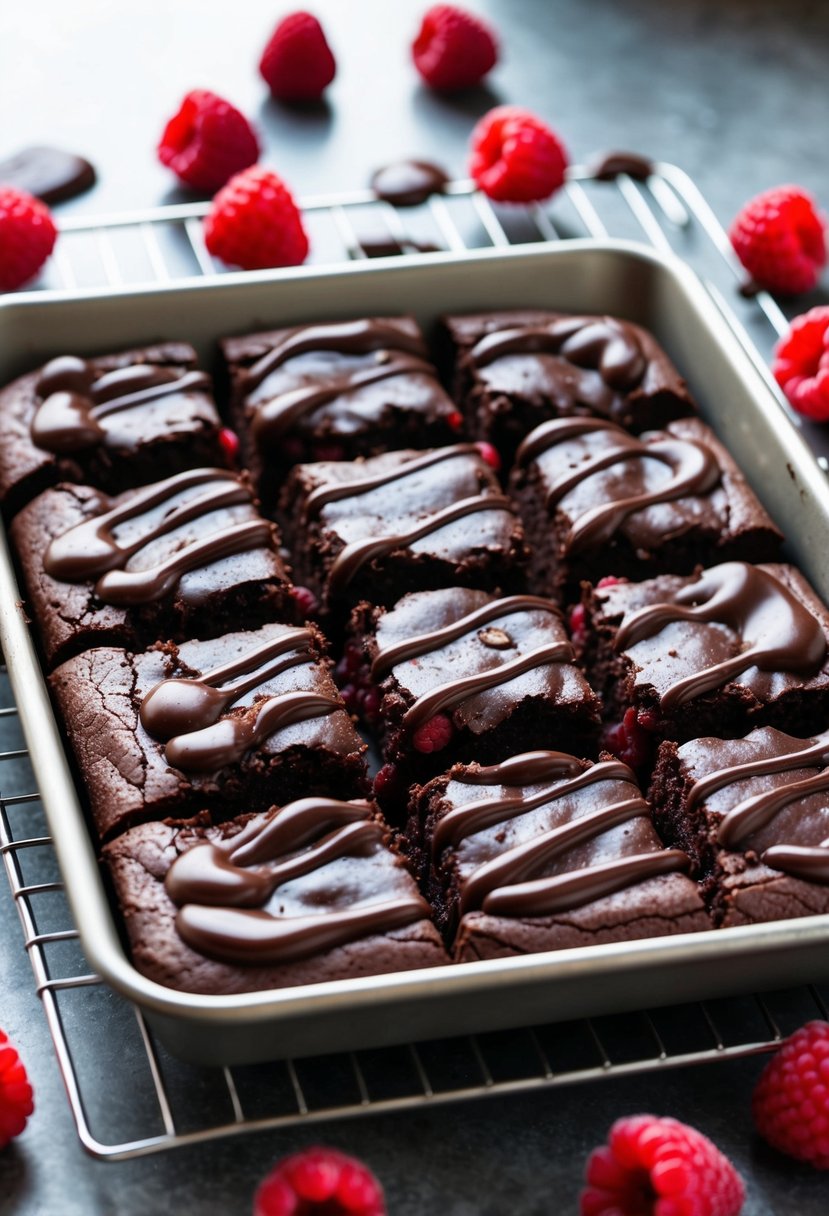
<point x="49" y="173"/>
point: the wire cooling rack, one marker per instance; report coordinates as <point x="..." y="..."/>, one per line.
<point x="173" y="1104"/>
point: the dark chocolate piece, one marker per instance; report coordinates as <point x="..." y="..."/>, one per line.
<point x="308" y="893"/>
<point x="545" y="850"/>
<point x="408" y="183"/>
<point x="112" y="422"/>
<point x="607" y="166"/>
<point x="597" y="501"/>
<point x="49" y="173"/>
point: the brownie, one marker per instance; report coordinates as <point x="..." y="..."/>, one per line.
<point x="514" y="370"/>
<point x="458" y="674"/>
<point x="113" y="421"/>
<point x="714" y="653"/>
<point x="376" y="529"/>
<point x="755" y="814"/>
<point x="598" y="501"/>
<point x="189" y="556"/>
<point x="248" y="719"/>
<point x="306" y="893"/>
<point x="334" y="392"/>
<point x="545" y="852"/>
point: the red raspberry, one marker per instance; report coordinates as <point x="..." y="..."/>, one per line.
<point x="516" y="158"/>
<point x="207" y="141"/>
<point x="319" y="1180"/>
<point x="490" y="455"/>
<point x="297" y="63"/>
<point x="791" y="1101"/>
<point x="255" y="223"/>
<point x="27" y="237"/>
<point x="434" y="735"/>
<point x="455" y="420"/>
<point x="801" y="363"/>
<point x="388" y="784"/>
<point x="609" y="580"/>
<point x="659" y="1167"/>
<point x="628" y="740"/>
<point x="454" y="49"/>
<point x="15" y="1092"/>
<point x="779" y="237"/>
<point x="578" y="624"/>
<point x="229" y="443"/>
<point x="306" y="600"/>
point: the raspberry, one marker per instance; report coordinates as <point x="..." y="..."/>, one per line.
<point x="609" y="580"/>
<point x="229" y="443"/>
<point x="388" y="784"/>
<point x="27" y="237"/>
<point x="490" y="455"/>
<point x="779" y="237"/>
<point x="306" y="600"/>
<point x="516" y="158"/>
<point x="297" y="64"/>
<point x="659" y="1167"/>
<point x="628" y="740"/>
<point x="791" y="1101"/>
<point x="319" y="1180"/>
<point x="453" y="49"/>
<point x="207" y="141"/>
<point x="455" y="420"/>
<point x="15" y="1092"/>
<point x="801" y="363"/>
<point x="255" y="223"/>
<point x="434" y="735"/>
<point x="578" y="624"/>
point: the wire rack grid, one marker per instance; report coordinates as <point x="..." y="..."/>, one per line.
<point x="174" y="1104"/>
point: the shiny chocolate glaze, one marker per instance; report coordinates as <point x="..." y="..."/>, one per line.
<point x="91" y="550"/>
<point x="322" y="495"/>
<point x="776" y="631"/>
<point x="51" y="174"/>
<point x="227" y="892"/>
<point x="75" y="400"/>
<point x="609" y="165"/>
<point x="693" y="466"/>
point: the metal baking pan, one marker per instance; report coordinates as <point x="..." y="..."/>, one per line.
<point x="736" y="396"/>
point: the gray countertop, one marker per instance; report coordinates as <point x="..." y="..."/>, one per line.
<point x="734" y="93"/>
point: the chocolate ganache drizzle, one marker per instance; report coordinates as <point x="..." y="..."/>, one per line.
<point x="187" y="714"/>
<point x="605" y="348"/>
<point x="396" y="353"/>
<point x="452" y="692"/>
<point x="754" y="813"/>
<point x="505" y="885"/>
<point x="775" y="631"/>
<point x="225" y="890"/>
<point x="76" y="401"/>
<point x="91" y="550"/>
<point x="693" y="466"/>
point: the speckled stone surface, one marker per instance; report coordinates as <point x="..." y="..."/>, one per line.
<point x="719" y="90"/>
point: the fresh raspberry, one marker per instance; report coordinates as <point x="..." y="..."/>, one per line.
<point x="516" y="158"/>
<point x="255" y="223"/>
<point x="659" y="1167"/>
<point x="609" y="580"/>
<point x="455" y="420"/>
<point x="801" y="363"/>
<point x="15" y="1092"/>
<point x="490" y="455"/>
<point x="578" y="624"/>
<point x="453" y="49"/>
<point x="229" y="443"/>
<point x="319" y="1180"/>
<point x="628" y="740"/>
<point x="207" y="141"/>
<point x="434" y="735"/>
<point x="27" y="237"/>
<point x="388" y="784"/>
<point x="297" y="64"/>
<point x="791" y="1101"/>
<point x="780" y="238"/>
<point x="306" y="601"/>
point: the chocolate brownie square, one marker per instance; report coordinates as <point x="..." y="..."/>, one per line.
<point x="246" y="719"/>
<point x="376" y="529"/>
<point x="334" y="392"/>
<point x="309" y="892"/>
<point x="545" y="852"/>
<point x="514" y="370"/>
<point x="459" y="674"/>
<point x="755" y="814"/>
<point x="189" y="556"/>
<point x="715" y="653"/>
<point x="598" y="501"/>
<point x="114" y="421"/>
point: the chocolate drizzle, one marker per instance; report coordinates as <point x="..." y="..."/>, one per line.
<point x="323" y="495"/>
<point x="186" y="714"/>
<point x="76" y="401"/>
<point x="223" y="889"/>
<point x="693" y="466"/>
<point x="775" y="631"/>
<point x="604" y="346"/>
<point x="90" y="550"/>
<point x="396" y="353"/>
<point x="358" y="553"/>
